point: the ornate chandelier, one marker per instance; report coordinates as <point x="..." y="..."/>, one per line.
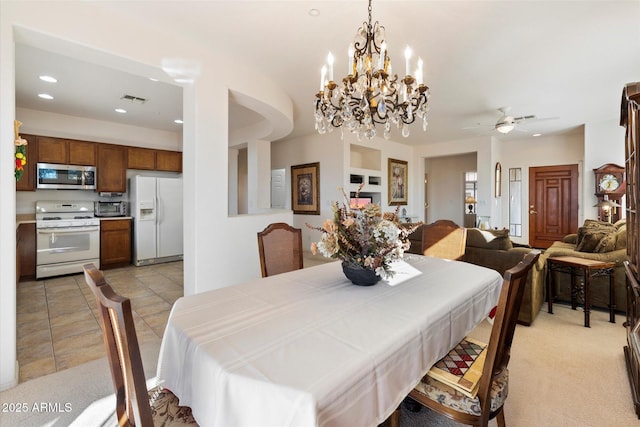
<point x="371" y="94"/>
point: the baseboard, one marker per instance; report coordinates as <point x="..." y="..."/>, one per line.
<point x="14" y="381"/>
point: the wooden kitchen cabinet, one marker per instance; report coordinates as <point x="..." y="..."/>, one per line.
<point x="28" y="180"/>
<point x="112" y="168"/>
<point x="52" y="150"/>
<point x="66" y="151"/>
<point x="26" y="252"/>
<point x="82" y="153"/>
<point x="115" y="243"/>
<point x="170" y="161"/>
<point x="150" y="159"/>
<point x="141" y="158"/>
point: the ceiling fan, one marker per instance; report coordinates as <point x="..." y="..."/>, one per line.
<point x="507" y="123"/>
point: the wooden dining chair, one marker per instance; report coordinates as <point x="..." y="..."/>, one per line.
<point x="444" y="239"/>
<point x="492" y="388"/>
<point x="280" y="247"/>
<point x="135" y="406"/>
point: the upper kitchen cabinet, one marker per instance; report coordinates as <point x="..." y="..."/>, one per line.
<point x="150" y="159"/>
<point x="66" y="151"/>
<point x="28" y="180"/>
<point x="141" y="158"/>
<point x="170" y="161"/>
<point x="112" y="168"/>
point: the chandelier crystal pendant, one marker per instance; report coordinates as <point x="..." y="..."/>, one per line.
<point x="371" y="94"/>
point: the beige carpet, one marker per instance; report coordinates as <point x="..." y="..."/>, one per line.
<point x="562" y="374"/>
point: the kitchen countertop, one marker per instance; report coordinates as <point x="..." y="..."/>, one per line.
<point x="25" y="219"/>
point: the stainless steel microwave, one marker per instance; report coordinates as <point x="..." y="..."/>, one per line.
<point x="66" y="177"/>
<point x="105" y="209"/>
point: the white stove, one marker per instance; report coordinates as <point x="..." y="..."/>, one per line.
<point x="68" y="236"/>
<point x="50" y="214"/>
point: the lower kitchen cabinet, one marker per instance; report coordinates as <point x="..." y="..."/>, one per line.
<point x="115" y="243"/>
<point x="26" y="252"/>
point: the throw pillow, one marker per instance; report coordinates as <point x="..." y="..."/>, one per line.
<point x="607" y="243"/>
<point x="620" y="223"/>
<point x="570" y="238"/>
<point x="594" y="223"/>
<point x="621" y="240"/>
<point x="588" y="238"/>
<point x="489" y="239"/>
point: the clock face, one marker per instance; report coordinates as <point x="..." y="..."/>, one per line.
<point x="609" y="183"/>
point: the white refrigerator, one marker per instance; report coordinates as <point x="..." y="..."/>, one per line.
<point x="156" y="208"/>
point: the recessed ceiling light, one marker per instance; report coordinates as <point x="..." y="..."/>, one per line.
<point x="45" y="96"/>
<point x="178" y="121"/>
<point x="153" y="79"/>
<point x="314" y="12"/>
<point x="537" y="134"/>
<point x="121" y="110"/>
<point x="48" y="79"/>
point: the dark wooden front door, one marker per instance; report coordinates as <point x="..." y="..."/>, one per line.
<point x="553" y="203"/>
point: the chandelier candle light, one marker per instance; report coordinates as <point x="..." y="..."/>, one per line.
<point x="371" y="94"/>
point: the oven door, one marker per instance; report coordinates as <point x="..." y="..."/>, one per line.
<point x="68" y="244"/>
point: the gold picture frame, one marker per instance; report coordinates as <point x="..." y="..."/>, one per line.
<point x="305" y="189"/>
<point x="397" y="182"/>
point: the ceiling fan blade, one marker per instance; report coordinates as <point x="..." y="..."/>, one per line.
<point x="523" y="118"/>
<point x="539" y="119"/>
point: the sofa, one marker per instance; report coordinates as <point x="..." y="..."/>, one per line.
<point x="595" y="240"/>
<point x="494" y="249"/>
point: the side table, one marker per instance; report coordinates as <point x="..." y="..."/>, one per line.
<point x="587" y="268"/>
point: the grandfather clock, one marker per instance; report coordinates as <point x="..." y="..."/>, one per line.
<point x="610" y="187"/>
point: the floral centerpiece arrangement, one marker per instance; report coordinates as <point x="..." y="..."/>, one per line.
<point x="365" y="239"/>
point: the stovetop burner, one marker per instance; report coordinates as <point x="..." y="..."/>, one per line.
<point x="56" y="214"/>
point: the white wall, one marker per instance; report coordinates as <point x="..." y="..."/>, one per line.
<point x="540" y="151"/>
<point x="334" y="157"/>
<point x="326" y="149"/>
<point x="216" y="249"/>
<point x="604" y="143"/>
<point x="446" y="195"/>
<point x="484" y="167"/>
<point x="62" y="126"/>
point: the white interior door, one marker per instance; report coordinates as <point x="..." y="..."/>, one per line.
<point x="278" y="190"/>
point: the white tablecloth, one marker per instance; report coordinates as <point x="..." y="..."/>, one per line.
<point x="309" y="348"/>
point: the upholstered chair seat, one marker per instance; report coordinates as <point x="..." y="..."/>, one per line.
<point x="166" y="410"/>
<point x="452" y="398"/>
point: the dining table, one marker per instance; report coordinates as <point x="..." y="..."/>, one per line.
<point x="310" y="348"/>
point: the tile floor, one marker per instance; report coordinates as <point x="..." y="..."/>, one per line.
<point x="57" y="318"/>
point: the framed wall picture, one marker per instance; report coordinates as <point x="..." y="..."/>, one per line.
<point x="398" y="180"/>
<point x="305" y="189"/>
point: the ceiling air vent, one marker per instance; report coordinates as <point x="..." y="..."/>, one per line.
<point x="134" y="99"/>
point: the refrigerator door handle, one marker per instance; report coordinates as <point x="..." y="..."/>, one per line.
<point x="158" y="213"/>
